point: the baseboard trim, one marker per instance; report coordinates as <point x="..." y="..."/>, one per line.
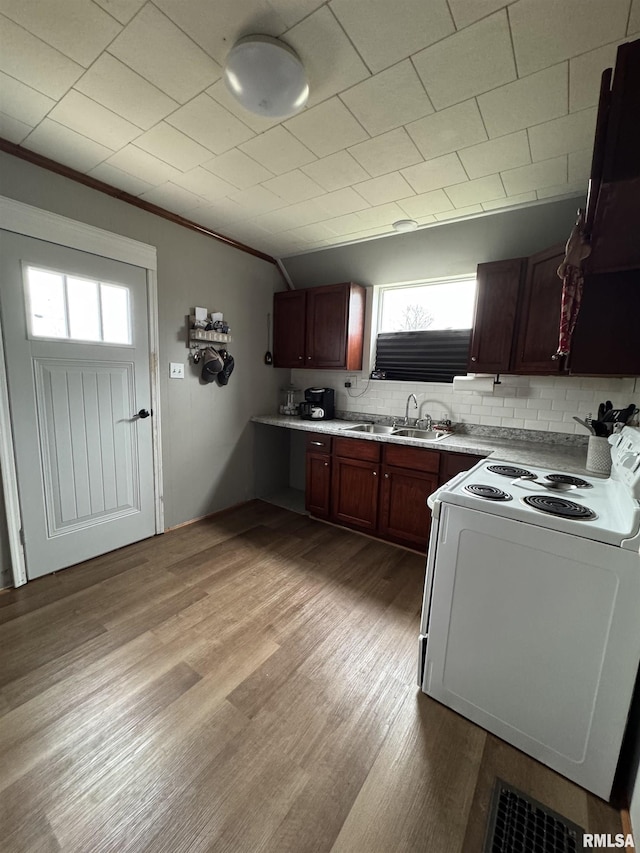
<point x="209" y="515"/>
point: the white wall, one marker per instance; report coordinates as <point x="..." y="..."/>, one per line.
<point x="208" y="441"/>
<point x="543" y="403"/>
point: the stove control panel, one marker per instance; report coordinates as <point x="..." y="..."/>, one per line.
<point x="625" y="459"/>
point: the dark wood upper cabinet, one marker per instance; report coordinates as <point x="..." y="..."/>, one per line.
<point x="613" y="211"/>
<point x="539" y="314"/>
<point x="289" y="309"/>
<point x="320" y="327"/>
<point x="495" y="315"/>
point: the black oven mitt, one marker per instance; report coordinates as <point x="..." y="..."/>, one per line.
<point x="225" y="373"/>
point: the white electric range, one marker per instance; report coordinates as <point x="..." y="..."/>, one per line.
<point x="531" y="612"/>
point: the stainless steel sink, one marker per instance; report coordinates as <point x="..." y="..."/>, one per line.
<point x="422" y="434"/>
<point x="376" y="429"/>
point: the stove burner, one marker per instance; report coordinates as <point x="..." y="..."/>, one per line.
<point x="568" y="480"/>
<point x="559" y="506"/>
<point x="490" y="493"/>
<point x="509" y="471"/>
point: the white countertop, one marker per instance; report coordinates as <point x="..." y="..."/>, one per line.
<point x="542" y="454"/>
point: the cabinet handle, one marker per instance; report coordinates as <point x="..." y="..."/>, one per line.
<point x="473" y="358"/>
<point x="308" y="358"/>
<point x="386" y="476"/>
<point x="375" y="473"/>
<point x="299" y="358"/>
<point x="318" y="443"/>
<point x="326" y="464"/>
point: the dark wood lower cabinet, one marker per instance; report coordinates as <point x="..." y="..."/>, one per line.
<point x="404" y="516"/>
<point x="453" y="463"/>
<point x="354" y="493"/>
<point x="318" y="484"/>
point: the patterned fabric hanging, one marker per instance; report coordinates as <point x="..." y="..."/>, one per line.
<point x="570" y="271"/>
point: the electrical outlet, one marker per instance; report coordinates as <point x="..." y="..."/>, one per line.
<point x="352" y="380"/>
<point x="176" y="370"/>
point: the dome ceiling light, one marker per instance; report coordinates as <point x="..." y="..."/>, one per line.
<point x="266" y="77"/>
<point x="403" y="225"/>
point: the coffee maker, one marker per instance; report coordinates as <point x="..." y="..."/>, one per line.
<point x="318" y="404"/>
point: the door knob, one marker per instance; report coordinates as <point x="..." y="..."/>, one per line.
<point x="144" y="413"/>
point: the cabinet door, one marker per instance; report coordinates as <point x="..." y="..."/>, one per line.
<point x="495" y="316"/>
<point x="354" y="492"/>
<point x="288" y="328"/>
<point x="539" y="315"/>
<point x="327" y="326"/>
<point x="318" y="484"/>
<point x="404" y="515"/>
<point x="605" y="341"/>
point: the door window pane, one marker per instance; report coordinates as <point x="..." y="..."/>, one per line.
<point x="84" y="309"/>
<point x="116" y="326"/>
<point x="46" y="303"/>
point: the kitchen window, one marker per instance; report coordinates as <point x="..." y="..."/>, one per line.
<point x="424" y="329"/>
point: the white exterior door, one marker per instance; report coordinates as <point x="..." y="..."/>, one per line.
<point x="77" y="359"/>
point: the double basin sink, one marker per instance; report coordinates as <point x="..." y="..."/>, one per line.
<point x="428" y="435"/>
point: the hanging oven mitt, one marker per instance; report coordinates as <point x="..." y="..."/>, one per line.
<point x="225" y="373"/>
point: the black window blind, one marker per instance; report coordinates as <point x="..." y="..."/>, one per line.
<point x="428" y="356"/>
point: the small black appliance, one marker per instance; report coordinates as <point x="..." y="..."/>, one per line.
<point x="318" y="404"/>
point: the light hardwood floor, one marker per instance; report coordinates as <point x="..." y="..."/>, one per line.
<point x="243" y="684"/>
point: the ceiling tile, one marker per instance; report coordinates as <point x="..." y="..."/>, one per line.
<point x="580" y="166"/>
<point x="316" y="231"/>
<point x="21" y="102"/>
<point x="475" y="192"/>
<point x="472" y="61"/>
<point x="204" y="120"/>
<point x="142" y="165"/>
<point x="467" y="12"/>
<point x="436" y="173"/>
<point x="562" y="189"/>
<point x="65" y="146"/>
<point x="336" y="171"/>
<point x="122" y="180"/>
<point x="237" y="168"/>
<point x="499" y="203"/>
<point x="204" y="183"/>
<point x="113" y="84"/>
<point x="386" y="188"/>
<point x="386" y="32"/>
<point x="292" y="11"/>
<point x="30" y="60"/>
<point x="278" y="150"/>
<point x="222" y="95"/>
<point x="154" y="47"/>
<point x="535" y="176"/>
<point x="331" y="62"/>
<point x="459" y="213"/>
<point x="293" y="187"/>
<point x="562" y="135"/>
<point x="12" y="129"/>
<point x="426" y="204"/>
<point x="220" y="214"/>
<point x="546" y="32"/>
<point x="173" y="198"/>
<point x="448" y="130"/>
<point x="172" y="146"/>
<point x="122" y="10"/>
<point x="375" y="217"/>
<point x="341" y="202"/>
<point x="327" y="128"/>
<point x="584" y="76"/>
<point x="79" y="30"/>
<point x="390" y="99"/>
<point x="257" y="200"/>
<point x="529" y="101"/>
<point x="93" y="120"/>
<point x="386" y="153"/>
<point x="505" y="152"/>
<point x="217" y="26"/>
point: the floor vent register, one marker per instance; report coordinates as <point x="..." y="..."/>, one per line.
<point x="519" y="824"/>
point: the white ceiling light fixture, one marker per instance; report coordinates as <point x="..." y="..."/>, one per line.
<point x="266" y="77"/>
<point x="403" y="225"/>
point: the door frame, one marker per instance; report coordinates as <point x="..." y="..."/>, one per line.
<point x="20" y="218"/>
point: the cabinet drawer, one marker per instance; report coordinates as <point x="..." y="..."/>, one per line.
<point x="414" y="458"/>
<point x="354" y="448"/>
<point x="318" y="442"/>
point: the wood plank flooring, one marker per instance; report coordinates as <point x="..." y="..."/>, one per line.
<point x="244" y="684"/>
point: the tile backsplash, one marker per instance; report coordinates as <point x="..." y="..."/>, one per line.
<point x="544" y="403"/>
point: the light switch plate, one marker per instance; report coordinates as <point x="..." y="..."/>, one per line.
<point x="176" y="370"/>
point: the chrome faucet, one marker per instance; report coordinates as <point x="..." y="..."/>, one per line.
<point x="406" y="411"/>
<point x="426" y="421"/>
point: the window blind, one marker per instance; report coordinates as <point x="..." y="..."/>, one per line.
<point x="427" y="356"/>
